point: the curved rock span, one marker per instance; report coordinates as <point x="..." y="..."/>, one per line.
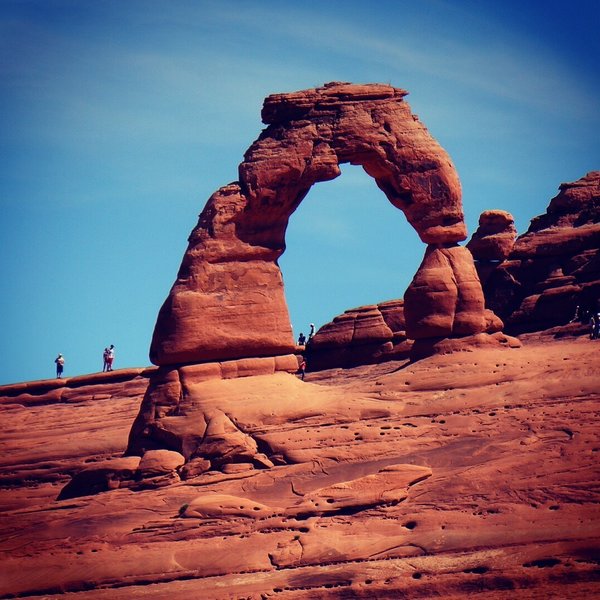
<point x="228" y="300"/>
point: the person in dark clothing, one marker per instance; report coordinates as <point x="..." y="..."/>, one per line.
<point x="60" y="363"/>
<point x="595" y="325"/>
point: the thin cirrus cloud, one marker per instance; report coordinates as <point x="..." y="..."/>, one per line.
<point x="497" y="62"/>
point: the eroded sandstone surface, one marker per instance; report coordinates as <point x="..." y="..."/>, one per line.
<point x="360" y="336"/>
<point x="554" y="267"/>
<point x="222" y="474"/>
<point x="495" y="236"/>
<point x="469" y="474"/>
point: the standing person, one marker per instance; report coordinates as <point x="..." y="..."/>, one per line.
<point x="60" y="363"/>
<point x="110" y="357"/>
<point x="311" y="333"/>
<point x="105" y="358"/>
<point x="595" y="325"/>
<point x="301" y="368"/>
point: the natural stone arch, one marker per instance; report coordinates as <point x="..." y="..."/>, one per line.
<point x="228" y="301"/>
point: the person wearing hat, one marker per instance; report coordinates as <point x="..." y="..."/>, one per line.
<point x="60" y="363"/>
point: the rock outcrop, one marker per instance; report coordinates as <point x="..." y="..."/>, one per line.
<point x="555" y="266"/>
<point x="363" y="335"/>
<point x="377" y="333"/>
<point x="174" y="417"/>
<point x="495" y="236"/>
<point x="445" y="298"/>
<point x="228" y="301"/>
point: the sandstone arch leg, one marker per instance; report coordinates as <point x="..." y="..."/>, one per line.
<point x="445" y="297"/>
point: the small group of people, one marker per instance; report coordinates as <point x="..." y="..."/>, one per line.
<point x="591" y="316"/>
<point x="108" y="357"/>
<point x="302" y="341"/>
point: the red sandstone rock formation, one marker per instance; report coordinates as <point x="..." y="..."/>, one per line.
<point x="445" y="297"/>
<point x="495" y="236"/>
<point x="377" y="333"/>
<point x="364" y="335"/>
<point x="553" y="267"/>
<point x="174" y="416"/>
<point x="228" y="299"/>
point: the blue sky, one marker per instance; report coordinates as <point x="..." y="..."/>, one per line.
<point x="119" y="119"/>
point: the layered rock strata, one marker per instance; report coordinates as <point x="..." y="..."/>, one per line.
<point x="228" y="301"/>
<point x="555" y="266"/>
<point x="173" y="416"/>
<point x="444" y="298"/>
<point x="363" y="335"/>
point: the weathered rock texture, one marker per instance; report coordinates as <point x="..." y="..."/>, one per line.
<point x="174" y="416"/>
<point x="377" y="333"/>
<point x="495" y="236"/>
<point x="466" y="475"/>
<point x="444" y="298"/>
<point x="228" y="301"/>
<point x="363" y="335"/>
<point x="553" y="267"/>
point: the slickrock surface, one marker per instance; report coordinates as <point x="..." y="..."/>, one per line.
<point x="553" y="267"/>
<point x="472" y="474"/>
<point x="228" y="301"/>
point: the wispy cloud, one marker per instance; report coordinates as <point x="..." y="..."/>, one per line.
<point x="500" y="63"/>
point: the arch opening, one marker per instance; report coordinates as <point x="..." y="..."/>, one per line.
<point x="346" y="246"/>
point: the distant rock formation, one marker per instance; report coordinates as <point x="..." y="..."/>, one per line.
<point x="377" y="333"/>
<point x="533" y="283"/>
<point x="228" y="300"/>
<point x="554" y="267"/>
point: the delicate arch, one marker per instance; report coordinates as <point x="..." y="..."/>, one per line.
<point x="228" y="300"/>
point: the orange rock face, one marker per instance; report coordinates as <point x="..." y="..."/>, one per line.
<point x="445" y="297"/>
<point x="468" y="474"/>
<point x="363" y="335"/>
<point x="495" y="236"/>
<point x="555" y="266"/>
<point x="228" y="301"/>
